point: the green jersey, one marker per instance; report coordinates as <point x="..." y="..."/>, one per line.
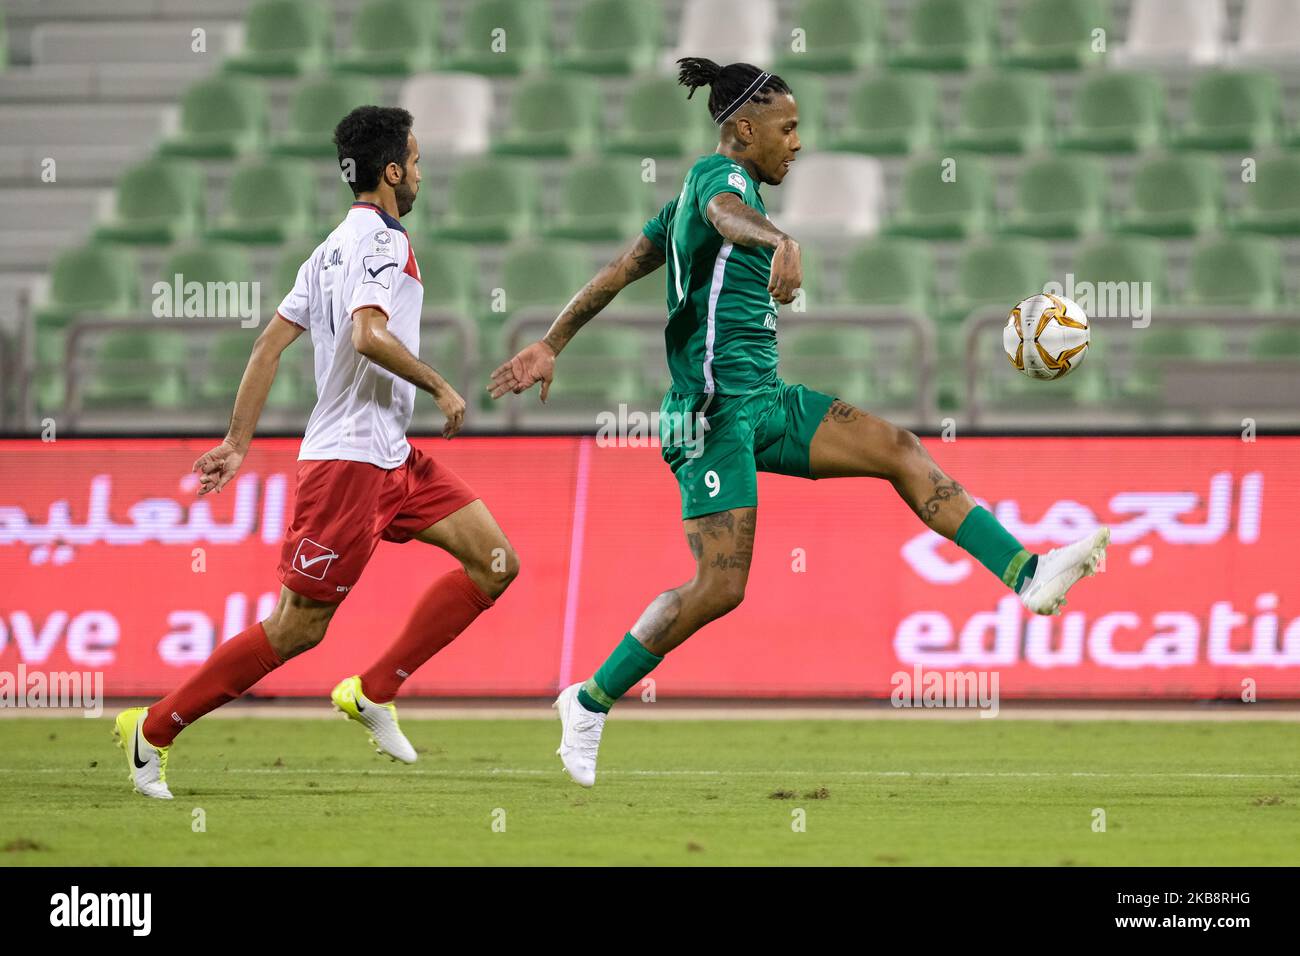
<point x="721" y="332"/>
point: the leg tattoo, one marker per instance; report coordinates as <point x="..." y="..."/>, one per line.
<point x="944" y="489"/>
<point x="841" y="412"/>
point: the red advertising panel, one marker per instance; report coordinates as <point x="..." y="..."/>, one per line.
<point x="110" y="563"/>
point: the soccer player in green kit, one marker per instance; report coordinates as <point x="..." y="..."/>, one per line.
<point x="728" y="267"/>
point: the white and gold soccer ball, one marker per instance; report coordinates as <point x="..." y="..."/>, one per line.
<point x="1046" y="336"/>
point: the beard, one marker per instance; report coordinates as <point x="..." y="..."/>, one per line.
<point x="405" y="197"/>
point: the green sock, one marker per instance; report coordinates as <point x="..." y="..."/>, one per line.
<point x="626" y="665"/>
<point x="983" y="536"/>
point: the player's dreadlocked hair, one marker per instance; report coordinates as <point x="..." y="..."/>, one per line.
<point x="728" y="85"/>
<point x="372" y="137"/>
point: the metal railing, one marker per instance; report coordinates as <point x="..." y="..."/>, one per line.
<point x="1194" y="387"/>
<point x="87" y="326"/>
<point x="530" y="324"/>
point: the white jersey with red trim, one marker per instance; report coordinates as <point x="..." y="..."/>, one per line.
<point x="362" y="410"/>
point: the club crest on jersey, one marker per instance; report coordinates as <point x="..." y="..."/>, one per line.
<point x="379" y="271"/>
<point x="737" y="180"/>
<point x="382" y="237"/>
<point x="313" y="560"/>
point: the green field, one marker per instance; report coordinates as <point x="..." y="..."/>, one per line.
<point x="885" y="792"/>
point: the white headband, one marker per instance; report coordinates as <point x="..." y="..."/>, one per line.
<point x="743" y="97"/>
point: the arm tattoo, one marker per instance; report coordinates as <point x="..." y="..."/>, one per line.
<point x="841" y="411"/>
<point x="742" y="224"/>
<point x="944" y="489"/>
<point x="642" y="259"/>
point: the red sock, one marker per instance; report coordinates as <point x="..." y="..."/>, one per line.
<point x="234" y="667"/>
<point x="447" y="608"/>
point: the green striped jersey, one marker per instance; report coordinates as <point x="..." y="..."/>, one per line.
<point x="721" y="332"/>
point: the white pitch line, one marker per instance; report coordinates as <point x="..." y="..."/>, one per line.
<point x="526" y="772"/>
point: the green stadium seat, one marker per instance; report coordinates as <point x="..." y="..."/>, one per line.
<point x="159" y="201"/>
<point x="221" y="117"/>
<point x="206" y="262"/>
<point x="809" y="91"/>
<point x="318" y="106"/>
<point x="536" y="273"/>
<point x="269" y="201"/>
<point x="1272" y="201"/>
<point x="1232" y="111"/>
<point x="137" y="369"/>
<point x="284" y="38"/>
<point x="997" y="273"/>
<point x="603" y="200"/>
<point x="889" y="113"/>
<point x="450" y="268"/>
<point x="658" y="120"/>
<point x="392" y="38"/>
<point x="1275" y="342"/>
<point x="492" y="200"/>
<point x="1117" y="113"/>
<point x="1004" y="113"/>
<point x="503" y="37"/>
<point x="1112" y="264"/>
<point x="339" y="200"/>
<point x="830" y="358"/>
<point x="947" y="35"/>
<point x="95" y="278"/>
<point x="1059" y="196"/>
<point x="612" y="37"/>
<point x="554" y="115"/>
<point x="290" y="258"/>
<point x="546" y="273"/>
<point x="840" y="36"/>
<point x="942" y="201"/>
<point x="889" y="272"/>
<point x="1164" y="341"/>
<point x="1174" y="196"/>
<point x="1057" y="34"/>
<point x="1235" y="271"/>
<point x="603" y="366"/>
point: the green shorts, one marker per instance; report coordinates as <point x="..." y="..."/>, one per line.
<point x="717" y="444"/>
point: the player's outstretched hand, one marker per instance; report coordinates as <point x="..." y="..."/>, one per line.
<point x="536" y="363"/>
<point x="453" y="406"/>
<point x="217" y="467"/>
<point x="787" y="271"/>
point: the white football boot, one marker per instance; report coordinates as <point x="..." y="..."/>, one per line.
<point x="580" y="738"/>
<point x="145" y="763"/>
<point x="379" y="719"/>
<point x="1060" y="569"/>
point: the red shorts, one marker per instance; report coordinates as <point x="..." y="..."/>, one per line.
<point x="344" y="508"/>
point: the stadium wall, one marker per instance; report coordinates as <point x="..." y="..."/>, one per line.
<point x="110" y="563"/>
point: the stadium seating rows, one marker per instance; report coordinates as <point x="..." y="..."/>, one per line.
<point x="1062" y="189"/>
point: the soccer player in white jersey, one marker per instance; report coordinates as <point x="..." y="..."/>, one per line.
<point x="359" y="480"/>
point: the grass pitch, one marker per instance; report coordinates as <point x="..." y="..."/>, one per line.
<point x="884" y="792"/>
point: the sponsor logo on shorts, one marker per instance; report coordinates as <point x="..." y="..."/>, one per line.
<point x="312" y="559"/>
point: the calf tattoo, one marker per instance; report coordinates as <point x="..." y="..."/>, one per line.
<point x="944" y="489"/>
